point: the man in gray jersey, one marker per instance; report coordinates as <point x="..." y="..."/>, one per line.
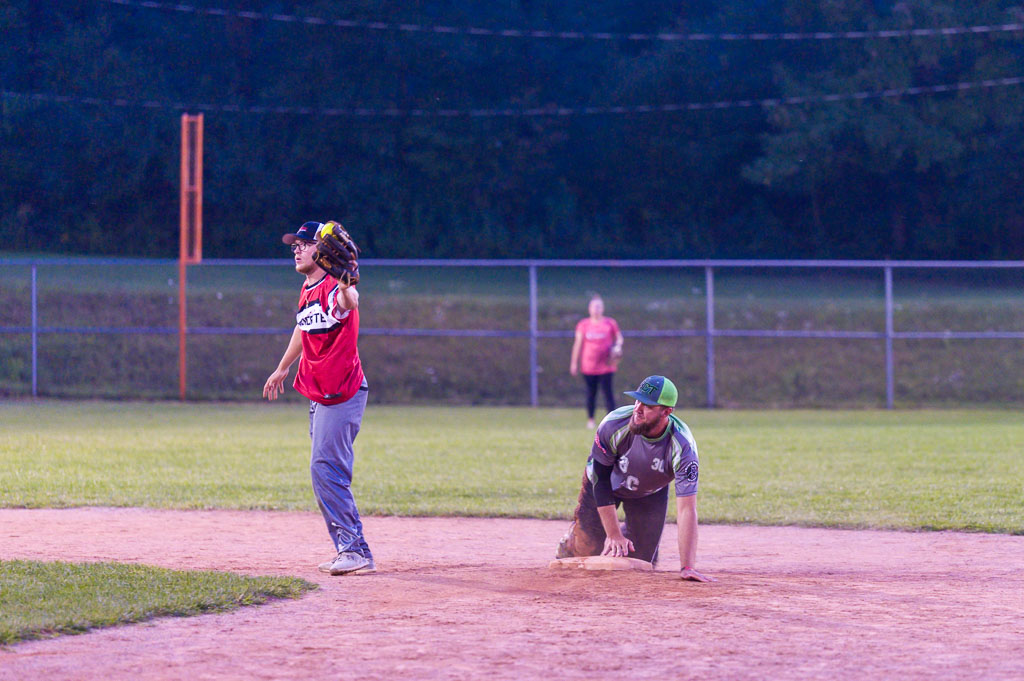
<point x="638" y="450"/>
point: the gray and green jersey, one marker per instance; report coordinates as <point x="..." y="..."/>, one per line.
<point x="641" y="466"/>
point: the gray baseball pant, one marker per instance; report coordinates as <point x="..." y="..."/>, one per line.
<point x="332" y="430"/>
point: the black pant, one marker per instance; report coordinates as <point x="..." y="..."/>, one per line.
<point x="645" y="520"/>
<point x="605" y="381"/>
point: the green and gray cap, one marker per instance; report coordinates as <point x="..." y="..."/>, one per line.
<point x="655" y="391"/>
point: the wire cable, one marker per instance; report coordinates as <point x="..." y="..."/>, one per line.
<point x="547" y="111"/>
<point x="948" y="31"/>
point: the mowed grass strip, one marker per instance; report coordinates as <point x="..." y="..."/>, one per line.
<point x="40" y="600"/>
<point x="856" y="469"/>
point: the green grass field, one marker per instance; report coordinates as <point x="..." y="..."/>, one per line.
<point x="903" y="469"/>
<point x="39" y="600"/>
<point x="910" y="470"/>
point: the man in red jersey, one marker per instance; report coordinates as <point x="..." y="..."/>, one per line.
<point x="331" y="376"/>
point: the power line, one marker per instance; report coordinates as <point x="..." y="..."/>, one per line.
<point x="547" y="111"/>
<point x="389" y="26"/>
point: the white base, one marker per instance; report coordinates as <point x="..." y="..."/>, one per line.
<point x="601" y="563"/>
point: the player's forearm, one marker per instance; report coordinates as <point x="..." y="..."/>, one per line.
<point x="348" y="298"/>
<point x="610" y="521"/>
<point x="686" y="521"/>
<point x="293" y="350"/>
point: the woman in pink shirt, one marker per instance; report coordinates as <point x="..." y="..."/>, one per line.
<point x="595" y="354"/>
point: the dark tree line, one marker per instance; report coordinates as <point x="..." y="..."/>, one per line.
<point x="931" y="176"/>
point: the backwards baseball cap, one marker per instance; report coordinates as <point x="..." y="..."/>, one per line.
<point x="307" y="232"/>
<point x="656" y="391"/>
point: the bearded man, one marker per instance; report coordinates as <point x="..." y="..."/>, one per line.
<point x="638" y="451"/>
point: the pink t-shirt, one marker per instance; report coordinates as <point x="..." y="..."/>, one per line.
<point x="598" y="339"/>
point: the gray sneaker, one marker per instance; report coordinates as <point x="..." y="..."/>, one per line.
<point x="370" y="568"/>
<point x="348" y="562"/>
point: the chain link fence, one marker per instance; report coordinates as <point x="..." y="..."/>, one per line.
<point x="737" y="334"/>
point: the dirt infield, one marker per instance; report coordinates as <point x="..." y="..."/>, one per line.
<point x="473" y="598"/>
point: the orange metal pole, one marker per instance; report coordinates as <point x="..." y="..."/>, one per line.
<point x="190" y="250"/>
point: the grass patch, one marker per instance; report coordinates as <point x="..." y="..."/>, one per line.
<point x="40" y="600"/>
<point x="902" y="469"/>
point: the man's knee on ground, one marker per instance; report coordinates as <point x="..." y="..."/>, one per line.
<point x="577" y="543"/>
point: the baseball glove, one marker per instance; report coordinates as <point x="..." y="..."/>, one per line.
<point x="337" y="254"/>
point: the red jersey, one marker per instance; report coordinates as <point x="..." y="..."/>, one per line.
<point x="329" y="369"/>
<point x="598" y="339"/>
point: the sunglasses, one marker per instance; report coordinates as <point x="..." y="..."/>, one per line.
<point x="301" y="246"/>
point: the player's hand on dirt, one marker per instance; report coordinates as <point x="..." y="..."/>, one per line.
<point x="617" y="546"/>
<point x="275" y="384"/>
<point x="691" y="575"/>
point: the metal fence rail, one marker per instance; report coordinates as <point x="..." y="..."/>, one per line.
<point x="533" y="333"/>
